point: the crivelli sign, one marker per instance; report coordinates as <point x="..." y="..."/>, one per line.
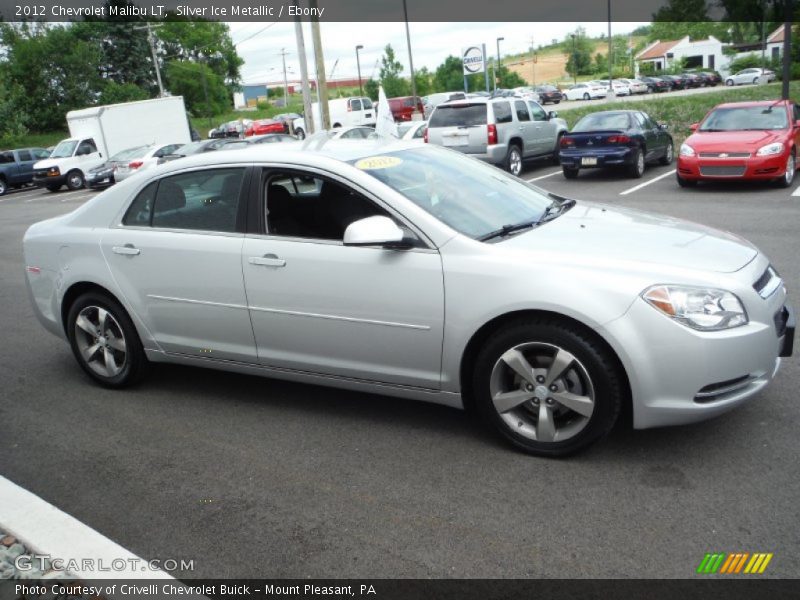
<point x="474" y="60"/>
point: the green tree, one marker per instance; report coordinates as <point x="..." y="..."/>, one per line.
<point x="423" y="79"/>
<point x="12" y="119"/>
<point x="579" y="49"/>
<point x="391" y="68"/>
<point x="449" y="77"/>
<point x="203" y="90"/>
<point x="371" y="89"/>
<point x="116" y="93"/>
<point x="508" y="78"/>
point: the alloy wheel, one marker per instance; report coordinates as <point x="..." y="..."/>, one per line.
<point x="100" y="341"/>
<point x="788" y="176"/>
<point x="542" y="392"/>
<point x="514" y="161"/>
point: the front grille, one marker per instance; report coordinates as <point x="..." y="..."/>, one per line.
<point x="724" y="155"/>
<point x="733" y="171"/>
<point x="781" y="319"/>
<point x="40" y="173"/>
<point x="768" y="283"/>
<point x="718" y="391"/>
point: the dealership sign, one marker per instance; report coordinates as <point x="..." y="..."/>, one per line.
<point x="474" y="61"/>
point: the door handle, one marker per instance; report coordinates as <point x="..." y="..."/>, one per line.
<point x="268" y="260"/>
<point x="126" y="250"/>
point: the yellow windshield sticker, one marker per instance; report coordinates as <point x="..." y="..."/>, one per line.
<point x="378" y="162"/>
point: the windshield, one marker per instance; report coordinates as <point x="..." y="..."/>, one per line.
<point x="130" y="153"/>
<point x="470" y="196"/>
<point x="602" y="122"/>
<point x="741" y="118"/>
<point x="64" y="149"/>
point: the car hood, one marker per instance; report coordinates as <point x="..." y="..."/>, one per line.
<point x="47" y="163"/>
<point x="733" y="141"/>
<point x="604" y="233"/>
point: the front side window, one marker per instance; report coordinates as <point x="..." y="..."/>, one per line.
<point x="302" y="205"/>
<point x="206" y="200"/>
<point x="86" y="147"/>
<point x="24" y="155"/>
<point x="538" y="112"/>
<point x="367" y="103"/>
<point x="522" y="111"/>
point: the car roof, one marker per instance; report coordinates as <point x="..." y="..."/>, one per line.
<point x="751" y="103"/>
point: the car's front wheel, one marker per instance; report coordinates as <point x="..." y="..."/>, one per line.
<point x="104" y="341"/>
<point x="548" y="388"/>
<point x="788" y="175"/>
<point x="685" y="183"/>
<point x="729" y="82"/>
<point x="514" y="160"/>
<point x="586" y="96"/>
<point x="669" y="154"/>
<point x="301" y="135"/>
<point x="75" y="180"/>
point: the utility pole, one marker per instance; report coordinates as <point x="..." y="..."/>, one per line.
<point x="151" y="40"/>
<point x="358" y="65"/>
<point x="410" y="62"/>
<point x="285" y="81"/>
<point x="497" y="68"/>
<point x="301" y="54"/>
<point x="319" y="59"/>
<point x="610" y="56"/>
<point x="533" y="62"/>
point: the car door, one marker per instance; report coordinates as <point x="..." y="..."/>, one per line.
<point x="25" y="161"/>
<point x="176" y="257"/>
<point x="362" y="312"/>
<point x="10" y="166"/>
<point x="528" y="129"/>
<point x="546" y="130"/>
<point x="654" y="137"/>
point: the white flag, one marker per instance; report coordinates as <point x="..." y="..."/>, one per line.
<point x="385" y="127"/>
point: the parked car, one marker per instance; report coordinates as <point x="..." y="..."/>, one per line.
<point x="351" y="133"/>
<point x="287" y="119"/>
<point x="548" y="93"/>
<point x="678" y="82"/>
<point x="403" y="107"/>
<point x="263" y="126"/>
<point x="271" y="138"/>
<point x="412" y="131"/>
<point x="433" y="100"/>
<point x="657" y="84"/>
<point x="527" y="92"/>
<point x="635" y="86"/>
<point x="431" y="277"/>
<point x="620" y="89"/>
<point x="750" y="76"/>
<point x="201" y="147"/>
<point x="585" y="91"/>
<point x="500" y="131"/>
<point x="615" y="138"/>
<point x="743" y="140"/>
<point x="101" y="176"/>
<point x="16" y="167"/>
<point x="693" y="80"/>
<point x="710" y="78"/>
<point x="141" y="158"/>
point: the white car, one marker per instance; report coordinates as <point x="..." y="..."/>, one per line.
<point x="750" y="76"/>
<point x="141" y="158"/>
<point x="620" y="89"/>
<point x="412" y="130"/>
<point x="585" y="91"/>
<point x="528" y="93"/>
<point x="635" y="86"/>
<point x="413" y="271"/>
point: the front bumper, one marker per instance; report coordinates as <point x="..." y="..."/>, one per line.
<point x="604" y="157"/>
<point x="752" y="167"/>
<point x="679" y="375"/>
<point x="45" y="180"/>
<point x="100" y="177"/>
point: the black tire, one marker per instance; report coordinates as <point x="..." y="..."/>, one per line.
<point x="3" y="187"/>
<point x="788" y="178"/>
<point x="513" y="162"/>
<point x="685" y="183"/>
<point x="636" y="168"/>
<point x="336" y="125"/>
<point x="755" y="80"/>
<point x="729" y="82"/>
<point x="134" y="363"/>
<point x="606" y="384"/>
<point x="53" y="187"/>
<point x="556" y="101"/>
<point x="586" y="96"/>
<point x="75" y="180"/>
<point x="569" y="173"/>
<point x="301" y="135"/>
<point x="555" y="158"/>
<point x="669" y="155"/>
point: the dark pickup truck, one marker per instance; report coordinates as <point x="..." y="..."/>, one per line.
<point x="16" y="166"/>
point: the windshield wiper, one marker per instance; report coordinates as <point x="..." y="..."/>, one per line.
<point x="559" y="203"/>
<point x="508" y="229"/>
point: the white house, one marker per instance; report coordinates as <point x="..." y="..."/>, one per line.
<point x="775" y="43"/>
<point x="700" y="54"/>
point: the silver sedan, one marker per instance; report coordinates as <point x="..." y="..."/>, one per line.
<point x="417" y="272"/>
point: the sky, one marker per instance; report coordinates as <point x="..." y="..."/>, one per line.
<point x="260" y="44"/>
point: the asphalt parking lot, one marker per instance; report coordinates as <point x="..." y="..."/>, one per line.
<point x="253" y="477"/>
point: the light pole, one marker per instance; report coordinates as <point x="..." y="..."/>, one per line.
<point x="497" y="69"/>
<point x="285" y="81"/>
<point x="358" y="64"/>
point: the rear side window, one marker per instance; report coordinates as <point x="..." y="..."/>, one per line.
<point x="502" y="112"/>
<point x="355" y="104"/>
<point x="367" y="103"/>
<point x="455" y="115"/>
<point x="141" y="208"/>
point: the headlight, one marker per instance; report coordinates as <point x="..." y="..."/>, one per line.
<point x="705" y="309"/>
<point x="687" y="150"/>
<point x="770" y="149"/>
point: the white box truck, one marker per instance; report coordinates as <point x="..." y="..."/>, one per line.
<point x="99" y="132"/>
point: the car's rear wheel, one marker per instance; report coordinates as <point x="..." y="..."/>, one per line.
<point x="75" y="180"/>
<point x="104" y="340"/>
<point x="636" y="168"/>
<point x="546" y="387"/>
<point x="3" y="187"/>
<point x="788" y="175"/>
<point x="569" y="172"/>
<point x="586" y="96"/>
<point x="301" y="135"/>
<point x="514" y="160"/>
<point x="729" y="82"/>
<point x="555" y="158"/>
<point x="685" y="183"/>
<point x="669" y="154"/>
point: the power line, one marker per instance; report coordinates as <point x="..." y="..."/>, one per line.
<point x="249" y="37"/>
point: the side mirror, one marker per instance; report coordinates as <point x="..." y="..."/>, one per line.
<point x="694" y="126"/>
<point x="552" y="114"/>
<point x="373" y="231"/>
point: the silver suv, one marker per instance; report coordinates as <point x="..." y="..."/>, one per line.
<point x="500" y="131"/>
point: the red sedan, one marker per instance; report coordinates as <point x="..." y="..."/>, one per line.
<point x="743" y="140"/>
<point x="263" y="126"/>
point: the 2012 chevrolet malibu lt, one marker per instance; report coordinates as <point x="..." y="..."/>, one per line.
<point x="415" y="272"/>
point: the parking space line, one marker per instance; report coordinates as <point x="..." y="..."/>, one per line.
<point x="796" y="191"/>
<point x="544" y="176"/>
<point x="646" y="183"/>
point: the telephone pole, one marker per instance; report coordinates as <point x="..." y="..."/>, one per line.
<point x="533" y="61"/>
<point x="283" y="54"/>
<point x="319" y="59"/>
<point x="301" y="54"/>
<point x="151" y="40"/>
